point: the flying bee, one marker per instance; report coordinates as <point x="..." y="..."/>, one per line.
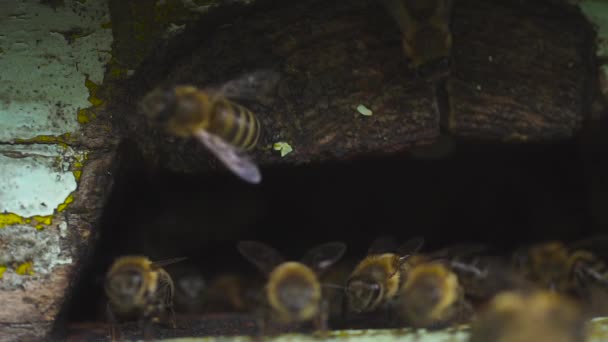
<point x="138" y="287"/>
<point x="529" y="316"/>
<point x="293" y="292"/>
<point x="376" y="280"/>
<point x="425" y="25"/>
<point x="567" y="269"/>
<point x="432" y="297"/>
<point x="226" y="128"/>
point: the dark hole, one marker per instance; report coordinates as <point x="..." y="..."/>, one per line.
<point x="502" y="194"/>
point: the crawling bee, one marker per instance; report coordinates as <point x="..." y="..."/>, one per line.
<point x="432" y="297"/>
<point x="481" y="275"/>
<point x="376" y="280"/>
<point x="425" y="25"/>
<point x="567" y="269"/>
<point x="137" y="287"/>
<point x="227" y="129"/>
<point x="526" y="317"/>
<point x="293" y="292"/>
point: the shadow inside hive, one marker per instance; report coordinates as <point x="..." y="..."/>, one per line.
<point x="502" y="195"/>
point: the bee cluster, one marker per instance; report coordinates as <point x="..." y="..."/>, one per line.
<point x="542" y="291"/>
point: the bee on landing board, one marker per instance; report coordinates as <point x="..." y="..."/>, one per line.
<point x="515" y="316"/>
<point x="570" y="269"/>
<point x="425" y="25"/>
<point x="190" y="289"/>
<point x="376" y="280"/>
<point x="432" y="297"/>
<point x="139" y="288"/>
<point x="293" y="292"/>
<point x="226" y="128"/>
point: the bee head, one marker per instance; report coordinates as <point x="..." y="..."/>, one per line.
<point x="158" y="104"/>
<point x="125" y="285"/>
<point x="363" y="295"/>
<point x="191" y="286"/>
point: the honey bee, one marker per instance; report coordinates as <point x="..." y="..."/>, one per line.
<point x="226" y="128"/>
<point x="293" y="292"/>
<point x="138" y="287"/>
<point x="525" y="317"/>
<point x="432" y="297"/>
<point x="425" y="25"/>
<point x="190" y="289"/>
<point x="375" y="281"/>
<point x="230" y="292"/>
<point x="566" y="269"/>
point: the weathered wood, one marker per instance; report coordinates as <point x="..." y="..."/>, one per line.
<point x="28" y="311"/>
<point x="332" y="57"/>
<point x="521" y="70"/>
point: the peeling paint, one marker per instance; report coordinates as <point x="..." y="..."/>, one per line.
<point x="36" y="180"/>
<point x="26" y="251"/>
<point x="56" y="51"/>
<point x="597" y="12"/>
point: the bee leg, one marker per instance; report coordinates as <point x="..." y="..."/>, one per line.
<point x="172" y="320"/>
<point x="260" y="322"/>
<point x="321" y="319"/>
<point x="115" y="334"/>
<point x="146" y="328"/>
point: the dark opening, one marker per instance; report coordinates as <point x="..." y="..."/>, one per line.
<point x="500" y="194"/>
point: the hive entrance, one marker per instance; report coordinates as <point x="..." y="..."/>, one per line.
<point x="505" y="195"/>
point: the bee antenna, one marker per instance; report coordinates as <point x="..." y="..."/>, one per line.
<point x="333" y="286"/>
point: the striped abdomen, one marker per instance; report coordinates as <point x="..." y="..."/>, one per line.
<point x="234" y="123"/>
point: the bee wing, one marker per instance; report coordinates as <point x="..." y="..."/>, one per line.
<point x="163" y="263"/>
<point x="321" y="257"/>
<point x="382" y="244"/>
<point x="250" y="86"/>
<point x="462" y="250"/>
<point x="411" y="246"/>
<point x="264" y="257"/>
<point x="234" y="159"/>
<point x="399" y="13"/>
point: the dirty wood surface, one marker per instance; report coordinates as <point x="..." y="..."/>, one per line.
<point x="332" y="56"/>
<point x="519" y="72"/>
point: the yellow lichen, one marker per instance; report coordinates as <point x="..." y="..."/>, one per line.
<point x="41" y="221"/>
<point x="77" y="174"/>
<point x="364" y="110"/>
<point x="25" y="269"/>
<point x="93" y="88"/>
<point x="62" y="140"/>
<point x="2" y="270"/>
<point x="65" y="203"/>
<point x="7" y="219"/>
<point x="83" y="116"/>
<point x="283" y="147"/>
